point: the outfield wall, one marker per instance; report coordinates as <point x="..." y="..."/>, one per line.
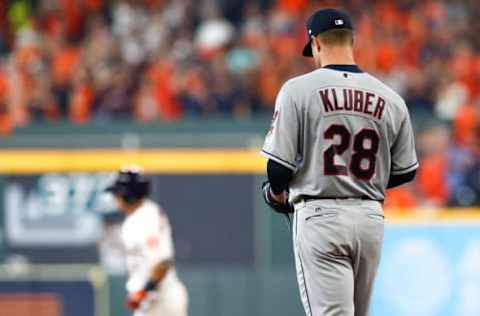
<point x="429" y="268"/>
<point x="233" y="253"/>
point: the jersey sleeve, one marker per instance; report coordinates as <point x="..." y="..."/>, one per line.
<point x="281" y="142"/>
<point x="156" y="245"/>
<point x="404" y="156"/>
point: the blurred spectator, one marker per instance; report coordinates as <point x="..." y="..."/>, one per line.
<point x="432" y="176"/>
<point x="214" y="32"/>
<point x="463" y="177"/>
<point x="451" y="96"/>
<point x="82" y="97"/>
<point x="6" y="124"/>
<point x="401" y="198"/>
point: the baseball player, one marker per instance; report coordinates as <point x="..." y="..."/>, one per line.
<point x="153" y="287"/>
<point x="339" y="138"/>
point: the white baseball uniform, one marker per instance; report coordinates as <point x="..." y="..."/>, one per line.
<point x="147" y="237"/>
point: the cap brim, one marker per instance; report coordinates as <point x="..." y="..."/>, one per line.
<point x="307" y="50"/>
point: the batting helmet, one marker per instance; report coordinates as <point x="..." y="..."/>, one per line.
<point x="131" y="184"/>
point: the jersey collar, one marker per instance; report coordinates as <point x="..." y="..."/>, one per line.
<point x="348" y="68"/>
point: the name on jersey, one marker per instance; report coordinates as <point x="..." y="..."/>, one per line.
<point x="351" y="100"/>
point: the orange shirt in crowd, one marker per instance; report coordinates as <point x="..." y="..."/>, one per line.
<point x="387" y="57"/>
<point x="463" y="70"/>
<point x="64" y="64"/>
<point x="465" y="125"/>
<point x="82" y="101"/>
<point x="400" y="198"/>
<point x="269" y="81"/>
<point x="6" y="124"/>
<point x="294" y="6"/>
<point x="3" y="86"/>
<point x="162" y="77"/>
<point x="74" y="16"/>
<point x="432" y="179"/>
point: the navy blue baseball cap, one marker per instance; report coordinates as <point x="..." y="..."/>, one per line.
<point x="324" y="20"/>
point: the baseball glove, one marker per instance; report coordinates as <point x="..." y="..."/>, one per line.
<point x="283" y="208"/>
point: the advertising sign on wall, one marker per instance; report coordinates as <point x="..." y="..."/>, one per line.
<point x="45" y="212"/>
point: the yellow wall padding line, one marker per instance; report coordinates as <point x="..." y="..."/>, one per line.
<point x="467" y="216"/>
<point x="173" y="161"/>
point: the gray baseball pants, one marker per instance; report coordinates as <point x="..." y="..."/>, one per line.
<point x="337" y="245"/>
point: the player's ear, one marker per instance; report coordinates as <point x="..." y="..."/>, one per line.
<point x="315" y="44"/>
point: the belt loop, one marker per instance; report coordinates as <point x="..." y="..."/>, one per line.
<point x="302" y="203"/>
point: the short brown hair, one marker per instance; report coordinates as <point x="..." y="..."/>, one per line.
<point x="337" y="37"/>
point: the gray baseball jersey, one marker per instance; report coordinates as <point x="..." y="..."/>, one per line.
<point x="342" y="132"/>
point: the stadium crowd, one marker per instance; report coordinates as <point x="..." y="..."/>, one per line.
<point x="162" y="60"/>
